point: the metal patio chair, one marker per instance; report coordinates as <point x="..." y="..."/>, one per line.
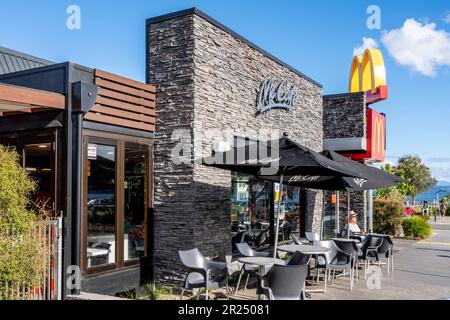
<point x="295" y="239"/>
<point x="385" y="250"/>
<point x="248" y="269"/>
<point x="312" y="236"/>
<point x="335" y="260"/>
<point x="203" y="273"/>
<point x="350" y="248"/>
<point x="298" y="258"/>
<point x="369" y="251"/>
<point x="284" y="282"/>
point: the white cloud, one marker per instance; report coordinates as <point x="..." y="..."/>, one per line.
<point x="447" y="17"/>
<point x="419" y="46"/>
<point x="439" y="160"/>
<point x="441" y="173"/>
<point x="368" y="43"/>
<point x="440" y="167"/>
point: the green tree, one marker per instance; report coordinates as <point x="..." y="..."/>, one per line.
<point x="418" y="175"/>
<point x="395" y="193"/>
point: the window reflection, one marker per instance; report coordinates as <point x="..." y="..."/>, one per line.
<point x="329" y="217"/>
<point x="134" y="184"/>
<point x="250" y="211"/>
<point x="290" y="211"/>
<point x="38" y="164"/>
<point x="101" y="174"/>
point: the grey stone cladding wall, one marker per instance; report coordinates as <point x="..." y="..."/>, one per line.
<point x="344" y="115"/>
<point x="171" y="70"/>
<point x="207" y="82"/>
<point x="357" y="204"/>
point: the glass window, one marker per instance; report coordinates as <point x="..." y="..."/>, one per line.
<point x="250" y="211"/>
<point x="290" y="211"/>
<point x="329" y="217"/>
<point x="38" y="164"/>
<point x="134" y="184"/>
<point x="101" y="172"/>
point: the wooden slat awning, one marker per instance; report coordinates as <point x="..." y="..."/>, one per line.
<point x="123" y="102"/>
<point x="15" y="100"/>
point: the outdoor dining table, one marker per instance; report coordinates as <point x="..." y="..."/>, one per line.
<point x="261" y="262"/>
<point x="303" y="248"/>
<point x="306" y="249"/>
<point x="346" y="240"/>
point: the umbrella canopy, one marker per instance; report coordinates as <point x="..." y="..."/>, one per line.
<point x="283" y="156"/>
<point x="276" y="160"/>
<point x="373" y="178"/>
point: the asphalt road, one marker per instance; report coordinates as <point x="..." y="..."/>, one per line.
<point x="422" y="271"/>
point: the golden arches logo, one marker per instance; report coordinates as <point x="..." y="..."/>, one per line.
<point x="378" y="138"/>
<point x="367" y="72"/>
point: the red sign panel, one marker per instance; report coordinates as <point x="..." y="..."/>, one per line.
<point x="376" y="138"/>
<point x="376" y="135"/>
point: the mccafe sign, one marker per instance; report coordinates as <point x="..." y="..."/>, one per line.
<point x="273" y="95"/>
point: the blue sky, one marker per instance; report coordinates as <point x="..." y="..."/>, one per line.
<point x="317" y="37"/>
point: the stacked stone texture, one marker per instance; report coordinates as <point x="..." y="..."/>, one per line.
<point x="344" y="116"/>
<point x="207" y="81"/>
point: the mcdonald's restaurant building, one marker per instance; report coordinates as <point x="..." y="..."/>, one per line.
<point x="119" y="158"/>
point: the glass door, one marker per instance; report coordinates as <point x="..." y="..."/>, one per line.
<point x="101" y="204"/>
<point x="117" y="189"/>
<point x="135" y="188"/>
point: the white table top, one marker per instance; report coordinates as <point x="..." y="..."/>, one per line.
<point x="305" y="249"/>
<point x="93" y="252"/>
<point x="346" y="240"/>
<point x="261" y="261"/>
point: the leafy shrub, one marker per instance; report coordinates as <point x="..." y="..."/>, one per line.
<point x="416" y="227"/>
<point x="151" y="291"/>
<point x="15" y="189"/>
<point x="22" y="255"/>
<point x="447" y="212"/>
<point x="387" y="216"/>
<point x="155" y="291"/>
<point x="424" y="217"/>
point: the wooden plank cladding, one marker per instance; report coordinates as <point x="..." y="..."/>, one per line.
<point x="123" y="102"/>
<point x="15" y="100"/>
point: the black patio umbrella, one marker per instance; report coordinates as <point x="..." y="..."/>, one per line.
<point x="280" y="160"/>
<point x="374" y="178"/>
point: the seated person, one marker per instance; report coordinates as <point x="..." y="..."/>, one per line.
<point x="352" y="223"/>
